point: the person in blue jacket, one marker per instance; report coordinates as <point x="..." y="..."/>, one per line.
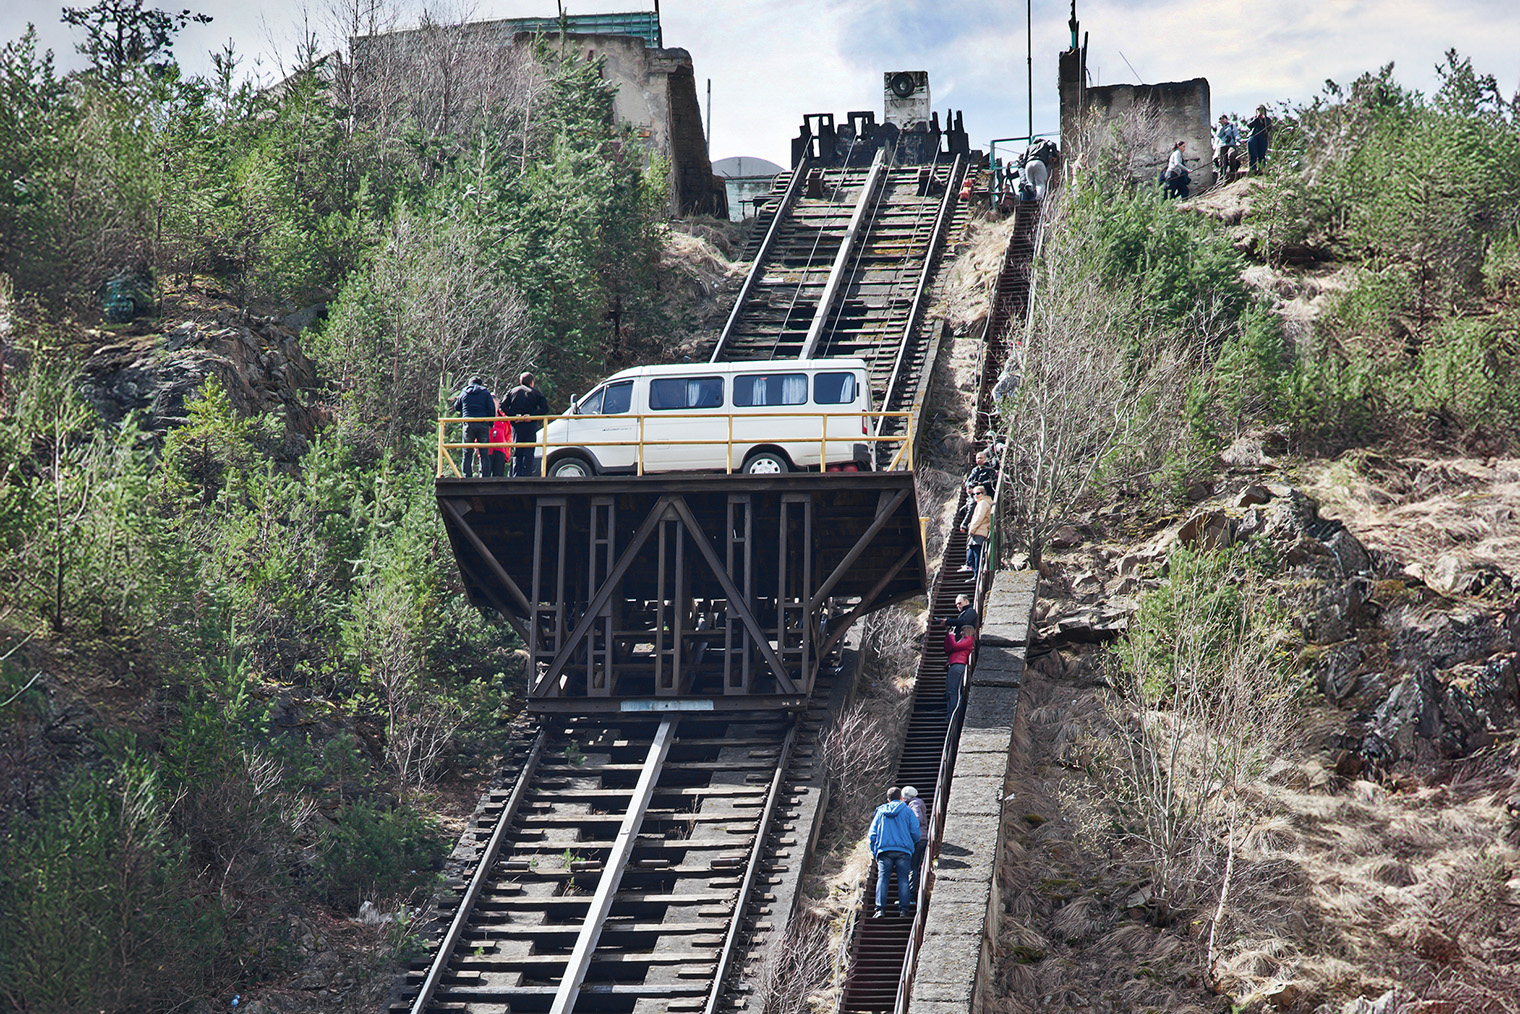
<point x="892" y="839"/>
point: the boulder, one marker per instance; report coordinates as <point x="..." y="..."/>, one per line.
<point x="1253" y="495"/>
<point x="1207" y="530"/>
<point x="1066" y="537"/>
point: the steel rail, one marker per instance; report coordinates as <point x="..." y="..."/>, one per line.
<point x="612" y="871"/>
<point x="757" y="267"/>
<point x="481" y="876"/>
<point x="868" y="195"/>
<point x="935" y="238"/>
<point x="752" y="870"/>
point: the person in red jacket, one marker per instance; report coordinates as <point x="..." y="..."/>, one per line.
<point x="501" y="436"/>
<point x="960" y="642"/>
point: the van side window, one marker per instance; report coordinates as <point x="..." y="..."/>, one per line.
<point x="834" y="388"/>
<point x="619" y="398"/>
<point x="771" y="389"/>
<point x="675" y="393"/>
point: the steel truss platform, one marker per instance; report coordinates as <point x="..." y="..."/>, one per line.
<point x="688" y="591"/>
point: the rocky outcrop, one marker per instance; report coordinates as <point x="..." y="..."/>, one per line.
<point x="258" y="361"/>
<point x="1426" y="669"/>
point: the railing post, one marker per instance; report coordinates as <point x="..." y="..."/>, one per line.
<point x="640" y="450"/>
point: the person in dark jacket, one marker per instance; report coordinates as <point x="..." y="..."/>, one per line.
<point x="1260" y="127"/>
<point x="524" y="400"/>
<point x="475" y="402"/>
<point x="965" y="612"/>
<point x="983" y="473"/>
<point x="960" y="642"/>
<point x="910" y="796"/>
<point x="892" y="839"/>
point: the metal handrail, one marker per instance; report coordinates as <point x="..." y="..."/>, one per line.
<point x="902" y="459"/>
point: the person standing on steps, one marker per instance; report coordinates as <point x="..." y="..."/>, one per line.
<point x="983" y="473"/>
<point x="965" y="612"/>
<point x="977" y="530"/>
<point x="1260" y="127"/>
<point x="960" y="642"/>
<point x="524" y="400"/>
<point x="892" y="839"/>
<point x="910" y="796"/>
<point x="477" y="406"/>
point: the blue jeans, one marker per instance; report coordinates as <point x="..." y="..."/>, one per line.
<point x="974" y="551"/>
<point x="1256" y="150"/>
<point x="886" y="864"/>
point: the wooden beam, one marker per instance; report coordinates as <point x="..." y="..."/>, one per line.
<point x="865" y="604"/>
<point x="612" y="871"/>
<point x="496" y="603"/>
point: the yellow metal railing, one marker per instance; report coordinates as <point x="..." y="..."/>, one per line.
<point x="902" y="456"/>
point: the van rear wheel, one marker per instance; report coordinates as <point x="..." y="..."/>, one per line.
<point x="766" y="463"/>
<point x="572" y="466"/>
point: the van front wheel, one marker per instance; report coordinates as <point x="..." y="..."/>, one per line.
<point x="766" y="463"/>
<point x="571" y="466"/>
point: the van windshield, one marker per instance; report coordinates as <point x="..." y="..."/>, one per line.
<point x="771" y="389"/>
<point x="834" y="388"/>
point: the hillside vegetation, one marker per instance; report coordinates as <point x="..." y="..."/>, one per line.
<point x="1264" y="454"/>
<point x="239" y="683"/>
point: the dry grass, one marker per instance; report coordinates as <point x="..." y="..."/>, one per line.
<point x="1341" y="889"/>
<point x="1419" y="509"/>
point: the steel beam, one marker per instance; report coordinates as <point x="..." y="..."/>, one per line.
<point x="612" y="871"/>
<point x="486" y="555"/>
<point x="884" y="512"/>
<point x="836" y="274"/>
<point x="758" y="267"/>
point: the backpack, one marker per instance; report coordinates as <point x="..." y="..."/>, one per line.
<point x="475" y="401"/>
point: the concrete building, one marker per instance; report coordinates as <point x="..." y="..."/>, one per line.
<point x="747" y="178"/>
<point x="1147" y="119"/>
<point x="453" y="69"/>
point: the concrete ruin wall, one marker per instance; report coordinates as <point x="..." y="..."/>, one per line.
<point x="1178" y="111"/>
<point x="656" y="89"/>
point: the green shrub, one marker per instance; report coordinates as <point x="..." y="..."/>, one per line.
<point x="375" y="852"/>
<point x="100" y="909"/>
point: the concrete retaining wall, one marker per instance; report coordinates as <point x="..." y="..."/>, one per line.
<point x="964" y="906"/>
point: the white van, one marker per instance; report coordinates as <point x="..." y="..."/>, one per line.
<point x="761" y="417"/>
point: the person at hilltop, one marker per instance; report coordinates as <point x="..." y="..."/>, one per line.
<point x="910" y="796"/>
<point x="1175" y="176"/>
<point x="524" y="400"/>
<point x="477" y="406"/>
<point x="978" y="528"/>
<point x="1260" y="127"/>
<point x="892" y="839"/>
<point x="1226" y="143"/>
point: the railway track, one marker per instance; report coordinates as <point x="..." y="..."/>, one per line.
<point x="633" y="863"/>
<point x="864" y="243"/>
<point x="694" y="901"/>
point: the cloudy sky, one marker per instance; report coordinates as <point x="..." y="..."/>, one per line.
<point x="771" y="61"/>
